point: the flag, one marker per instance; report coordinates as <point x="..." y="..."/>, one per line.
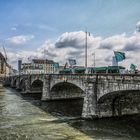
<point x="133" y="67"/>
<point x="72" y="62"/>
<point x="120" y="56"/>
<point x="56" y="65"/>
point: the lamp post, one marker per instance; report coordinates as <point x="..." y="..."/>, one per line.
<point x="93" y="59"/>
<point x="86" y="61"/>
<point x="45" y="61"/>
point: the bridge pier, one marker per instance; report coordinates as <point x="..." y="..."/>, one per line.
<point x="27" y="85"/>
<point x="90" y="101"/>
<point x="17" y="83"/>
<point x="46" y="88"/>
<point x="12" y="83"/>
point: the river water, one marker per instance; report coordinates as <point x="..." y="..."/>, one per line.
<point x="26" y="119"/>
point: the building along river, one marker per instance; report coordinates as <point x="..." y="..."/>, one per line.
<point x="25" y="118"/>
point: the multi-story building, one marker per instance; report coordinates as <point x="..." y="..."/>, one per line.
<point x="44" y="66"/>
<point x="40" y="66"/>
<point x="4" y="67"/>
<point x="2" y="64"/>
<point x="26" y="68"/>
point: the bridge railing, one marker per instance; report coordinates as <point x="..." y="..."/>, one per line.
<point x="66" y="77"/>
<point x="120" y="78"/>
<point x="99" y="76"/>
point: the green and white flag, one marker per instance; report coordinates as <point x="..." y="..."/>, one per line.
<point x="133" y="67"/>
<point x="120" y="56"/>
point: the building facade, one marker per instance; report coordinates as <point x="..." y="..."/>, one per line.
<point x="2" y="64"/>
<point x="5" y="68"/>
<point x="39" y="66"/>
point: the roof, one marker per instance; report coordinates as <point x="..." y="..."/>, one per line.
<point x="107" y="68"/>
<point x="67" y="70"/>
<point x="100" y="68"/>
<point x="42" y="61"/>
<point x="79" y="69"/>
<point x="8" y="65"/>
<point x="115" y="67"/>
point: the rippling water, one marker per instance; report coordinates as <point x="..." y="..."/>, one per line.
<point x="26" y="119"/>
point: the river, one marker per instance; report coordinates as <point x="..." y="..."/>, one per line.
<point x="24" y="118"/>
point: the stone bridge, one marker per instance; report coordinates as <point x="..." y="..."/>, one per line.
<point x="103" y="94"/>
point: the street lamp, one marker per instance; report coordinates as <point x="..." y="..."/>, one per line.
<point x="45" y="65"/>
<point x="86" y="35"/>
<point x="93" y="59"/>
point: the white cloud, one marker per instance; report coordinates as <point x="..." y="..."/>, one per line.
<point x="76" y="40"/>
<point x="113" y="42"/>
<point x="72" y="44"/>
<point x="21" y="39"/>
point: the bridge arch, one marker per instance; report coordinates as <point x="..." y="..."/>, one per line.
<point x="69" y="98"/>
<point x="119" y="103"/>
<point x="37" y="86"/>
<point x="72" y="82"/>
<point x="36" y="79"/>
<point x="66" y="90"/>
<point x="15" y="82"/>
<point x="22" y="84"/>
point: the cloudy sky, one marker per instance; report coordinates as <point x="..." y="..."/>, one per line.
<point x="55" y="29"/>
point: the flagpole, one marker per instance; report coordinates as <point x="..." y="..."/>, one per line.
<point x="44" y="63"/>
<point x="86" y="50"/>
